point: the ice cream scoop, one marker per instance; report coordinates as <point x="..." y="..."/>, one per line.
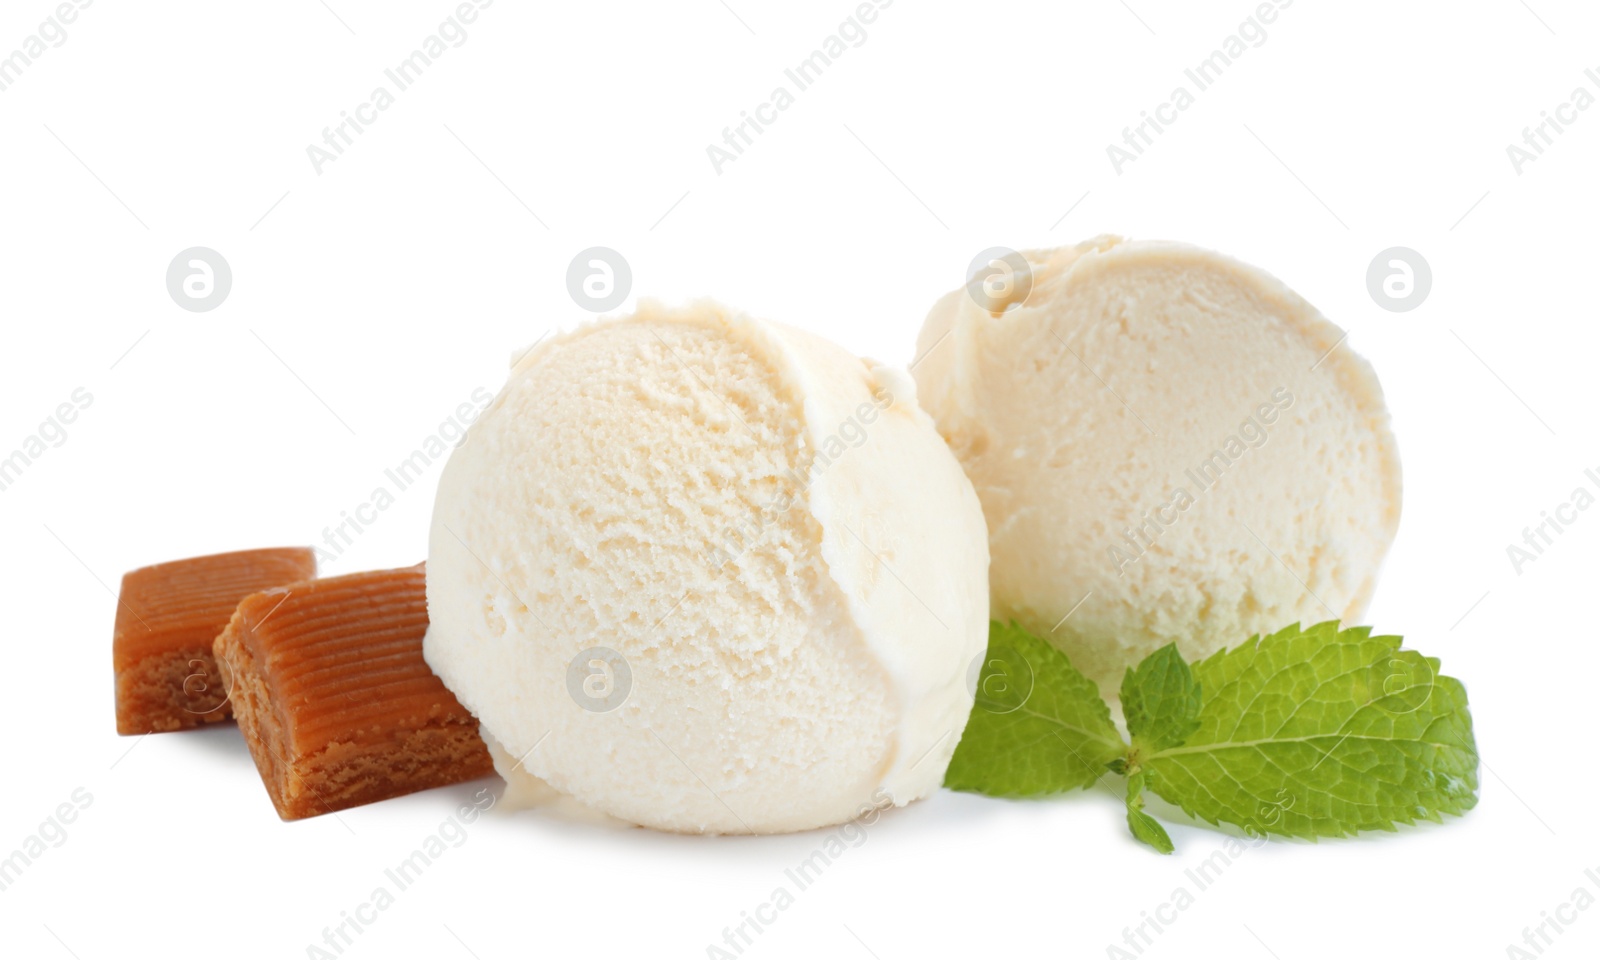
<point x="1169" y="445"/>
<point x="709" y="574"/>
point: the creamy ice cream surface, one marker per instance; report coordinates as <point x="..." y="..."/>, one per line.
<point x="1169" y="445"/>
<point x="710" y="574"/>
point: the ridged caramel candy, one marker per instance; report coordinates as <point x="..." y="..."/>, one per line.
<point x="334" y="699"/>
<point x="168" y="615"/>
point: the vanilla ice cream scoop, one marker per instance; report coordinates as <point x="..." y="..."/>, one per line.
<point x="709" y="574"/>
<point x="1169" y="446"/>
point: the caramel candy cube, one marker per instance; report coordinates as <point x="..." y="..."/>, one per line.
<point x="333" y="696"/>
<point x="168" y="616"/>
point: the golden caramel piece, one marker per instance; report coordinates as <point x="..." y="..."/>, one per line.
<point x="168" y="616"/>
<point x="333" y="696"/>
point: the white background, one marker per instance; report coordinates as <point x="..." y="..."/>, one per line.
<point x="377" y="296"/>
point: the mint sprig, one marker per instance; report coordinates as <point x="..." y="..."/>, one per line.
<point x="1307" y="733"/>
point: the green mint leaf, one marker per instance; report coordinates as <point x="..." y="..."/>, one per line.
<point x="1145" y="828"/>
<point x="1322" y="733"/>
<point x="1161" y="700"/>
<point x="1038" y="726"/>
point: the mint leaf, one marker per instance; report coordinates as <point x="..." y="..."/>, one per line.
<point x="1161" y="700"/>
<point x="1322" y="733"/>
<point x="1146" y="829"/>
<point x="1038" y="726"/>
<point x="1304" y="733"/>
